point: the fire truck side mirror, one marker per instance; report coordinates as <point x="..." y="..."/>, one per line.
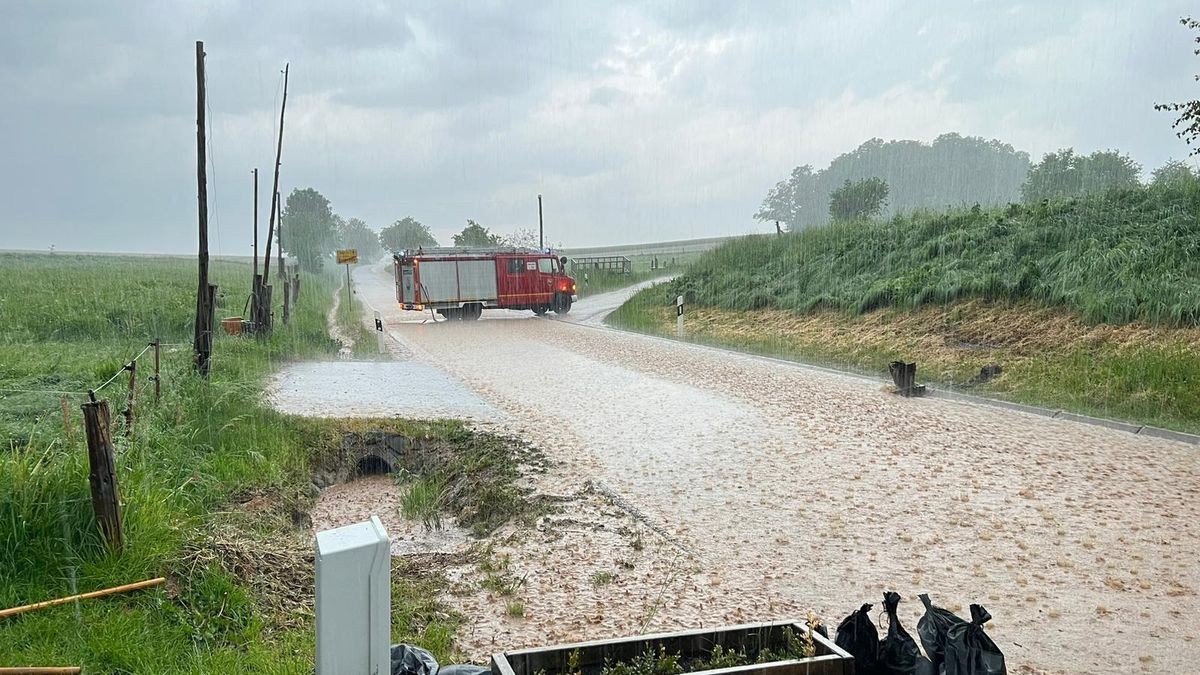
<point x="563" y="261"/>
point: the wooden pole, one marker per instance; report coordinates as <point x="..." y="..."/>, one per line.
<point x="296" y="287"/>
<point x="255" y="172"/>
<point x="106" y="498"/>
<point x="40" y="670"/>
<point x="541" y="228"/>
<point x="202" y="340"/>
<point x="279" y="224"/>
<point x="275" y="182"/>
<point x="129" y="401"/>
<point x="287" y="300"/>
<point x="83" y="596"/>
<point x="157" y="369"/>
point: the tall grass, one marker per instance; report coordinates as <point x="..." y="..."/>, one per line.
<point x="66" y="323"/>
<point x="1119" y="257"/>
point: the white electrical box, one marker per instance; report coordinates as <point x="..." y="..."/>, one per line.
<point x="354" y="600"/>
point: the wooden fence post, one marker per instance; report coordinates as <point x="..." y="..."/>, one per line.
<point x="157" y="369"/>
<point x="287" y="287"/>
<point x="296" y="288"/>
<point x="131" y="398"/>
<point x="106" y="498"/>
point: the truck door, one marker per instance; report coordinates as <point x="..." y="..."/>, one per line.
<point x="547" y="269"/>
<point x="518" y="279"/>
<point x="406" y="284"/>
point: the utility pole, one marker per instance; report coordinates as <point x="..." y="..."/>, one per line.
<point x="202" y="339"/>
<point x="279" y="221"/>
<point x="541" y="228"/>
<point x="255" y="172"/>
<point x="264" y="320"/>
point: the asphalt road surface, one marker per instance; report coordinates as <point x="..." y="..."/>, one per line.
<point x="799" y="488"/>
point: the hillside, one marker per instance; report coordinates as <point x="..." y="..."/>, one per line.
<point x="1123" y="256"/>
<point x="1089" y="305"/>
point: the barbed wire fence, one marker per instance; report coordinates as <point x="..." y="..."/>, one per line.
<point x="98" y="430"/>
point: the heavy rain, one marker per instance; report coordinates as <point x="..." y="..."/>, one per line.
<point x="600" y="339"/>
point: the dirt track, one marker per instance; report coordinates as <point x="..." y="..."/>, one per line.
<point x="794" y="489"/>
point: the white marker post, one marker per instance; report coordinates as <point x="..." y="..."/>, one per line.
<point x="379" y="331"/>
<point x="679" y="316"/>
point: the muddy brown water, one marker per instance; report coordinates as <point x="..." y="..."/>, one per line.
<point x="796" y="490"/>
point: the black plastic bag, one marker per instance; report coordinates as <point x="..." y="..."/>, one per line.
<point x="969" y="651"/>
<point x="932" y="629"/>
<point x="410" y="660"/>
<point x="898" y="651"/>
<point x="857" y="635"/>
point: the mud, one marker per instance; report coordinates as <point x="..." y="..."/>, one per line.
<point x="804" y="490"/>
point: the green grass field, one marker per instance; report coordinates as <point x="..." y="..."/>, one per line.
<point x="1089" y="305"/>
<point x="67" y="323"/>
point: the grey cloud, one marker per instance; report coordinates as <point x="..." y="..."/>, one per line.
<point x="638" y="121"/>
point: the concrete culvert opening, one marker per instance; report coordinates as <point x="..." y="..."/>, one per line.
<point x="372" y="465"/>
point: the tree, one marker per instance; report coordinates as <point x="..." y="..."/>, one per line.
<point x="954" y="170"/>
<point x="522" y="237"/>
<point x="1187" y="125"/>
<point x="308" y="228"/>
<point x="1064" y="174"/>
<point x="475" y="234"/>
<point x="355" y="234"/>
<point x="859" y="200"/>
<point x="789" y="198"/>
<point x="1174" y="171"/>
<point x="406" y="233"/>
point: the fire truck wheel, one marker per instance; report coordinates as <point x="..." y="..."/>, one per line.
<point x="541" y="310"/>
<point x="562" y="303"/>
<point x="472" y="312"/>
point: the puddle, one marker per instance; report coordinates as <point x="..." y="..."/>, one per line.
<point x="373" y="389"/>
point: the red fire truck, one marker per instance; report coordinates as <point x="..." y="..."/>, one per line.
<point x="459" y="283"/>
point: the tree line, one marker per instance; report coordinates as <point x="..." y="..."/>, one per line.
<point x="885" y="178"/>
<point x="906" y="176"/>
<point x="312" y="230"/>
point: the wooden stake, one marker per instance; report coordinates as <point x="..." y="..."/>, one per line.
<point x="202" y="339"/>
<point x="40" y="670"/>
<point x="287" y="288"/>
<point x="82" y="596"/>
<point x="106" y="498"/>
<point x="129" y="401"/>
<point x="157" y="369"/>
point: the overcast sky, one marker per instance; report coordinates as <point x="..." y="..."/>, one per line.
<point x="636" y="121"/>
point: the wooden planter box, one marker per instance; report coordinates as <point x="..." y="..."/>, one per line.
<point x="690" y="644"/>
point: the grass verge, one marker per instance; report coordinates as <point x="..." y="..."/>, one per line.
<point x="187" y="471"/>
<point x="1048" y="357"/>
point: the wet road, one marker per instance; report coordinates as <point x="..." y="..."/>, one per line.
<point x="804" y="489"/>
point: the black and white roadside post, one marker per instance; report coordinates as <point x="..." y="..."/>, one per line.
<point x="679" y="316"/>
<point x="379" y="330"/>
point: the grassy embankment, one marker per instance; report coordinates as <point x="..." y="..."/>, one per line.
<point x="1090" y="305"/>
<point x="215" y="485"/>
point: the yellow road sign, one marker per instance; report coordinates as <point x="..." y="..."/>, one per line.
<point x="347" y="256"/>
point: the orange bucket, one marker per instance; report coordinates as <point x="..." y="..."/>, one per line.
<point x="232" y="325"/>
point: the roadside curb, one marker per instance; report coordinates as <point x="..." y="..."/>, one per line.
<point x="945" y="394"/>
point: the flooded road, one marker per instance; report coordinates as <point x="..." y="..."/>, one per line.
<point x="796" y="489"/>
